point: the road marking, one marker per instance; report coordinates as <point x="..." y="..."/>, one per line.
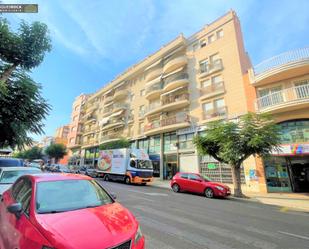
<point x="294" y="235"/>
<point x="151" y="194"/>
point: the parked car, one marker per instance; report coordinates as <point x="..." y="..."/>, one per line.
<point x="61" y="169"/>
<point x="91" y="171"/>
<point x="11" y="162"/>
<point x="8" y="176"/>
<point x="38" y="212"/>
<point x="195" y="183"/>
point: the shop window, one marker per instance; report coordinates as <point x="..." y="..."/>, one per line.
<point x="154" y="145"/>
<point x="143" y="144"/>
<point x="170" y="142"/>
<point x="294" y="131"/>
<point x="186" y="141"/>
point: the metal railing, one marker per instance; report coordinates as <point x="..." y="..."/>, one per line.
<point x="152" y="106"/>
<point x="176" y="119"/>
<point x="109" y="136"/>
<point x="175" y="98"/>
<point x="216" y="112"/>
<point x="175" y="77"/>
<point x="154" y="87"/>
<point x="119" y="106"/>
<point x="288" y="95"/>
<point x="214" y="87"/>
<point x="212" y="67"/>
<point x="282" y="59"/>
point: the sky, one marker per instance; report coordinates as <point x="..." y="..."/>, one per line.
<point x="94" y="41"/>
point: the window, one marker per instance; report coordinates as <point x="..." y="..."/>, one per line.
<point x="78" y="194"/>
<point x="22" y="194"/>
<point x="219" y="34"/>
<point x="154" y="145"/>
<point x="142" y="92"/>
<point x="207" y="107"/>
<point x="211" y="38"/>
<point x="143" y="144"/>
<point x="195" y="46"/>
<point x="204" y="66"/>
<point x="194" y="177"/>
<point x="205" y="83"/>
<point x="202" y="43"/>
<point x="141" y="128"/>
<point x="141" y="110"/>
<point x="219" y="103"/>
<point x="216" y="79"/>
<point x="294" y="131"/>
<point x="214" y="58"/>
<point x="170" y="141"/>
<point x="270" y="96"/>
<point x="302" y="89"/>
<point x="186" y="141"/>
<point x="73" y="128"/>
<point x="184" y="176"/>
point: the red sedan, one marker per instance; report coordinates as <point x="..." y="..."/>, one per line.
<point x="63" y="211"/>
<point x="192" y="182"/>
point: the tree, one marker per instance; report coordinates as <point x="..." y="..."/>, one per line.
<point x="25" y="49"/>
<point x="56" y="151"/>
<point x="22" y="109"/>
<point x="118" y="144"/>
<point x="30" y="154"/>
<point x="233" y="142"/>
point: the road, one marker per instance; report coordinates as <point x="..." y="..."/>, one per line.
<point x="184" y="221"/>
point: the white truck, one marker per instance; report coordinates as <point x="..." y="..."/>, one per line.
<point x="128" y="165"/>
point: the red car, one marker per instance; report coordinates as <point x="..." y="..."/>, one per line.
<point x="192" y="182"/>
<point x="65" y="211"/>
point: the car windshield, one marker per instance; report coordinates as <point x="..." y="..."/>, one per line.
<point x="9" y="177"/>
<point x="144" y="164"/>
<point x="68" y="195"/>
<point x="10" y="162"/>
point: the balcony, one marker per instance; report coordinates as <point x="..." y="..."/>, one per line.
<point x="154" y="91"/>
<point x="285" y="100"/>
<point x="90" y="119"/>
<point x="175" y="81"/>
<point x="119" y="107"/>
<point x="120" y="94"/>
<point x="113" y="123"/>
<point x="153" y="108"/>
<point x="109" y="138"/>
<point x="107" y="111"/>
<point x="207" y="69"/>
<point x="178" y="121"/>
<point x="174" y="63"/>
<point x="153" y="74"/>
<point x="214" y="114"/>
<point x="174" y="102"/>
<point x="90" y="143"/>
<point x="287" y="65"/>
<point x="90" y="130"/>
<point x="108" y="99"/>
<point x="212" y="90"/>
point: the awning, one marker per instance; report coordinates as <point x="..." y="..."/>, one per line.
<point x="104" y="121"/>
<point x="173" y="91"/>
<point x="116" y="113"/>
<point x="156" y="80"/>
<point x="176" y="71"/>
<point x="173" y="52"/>
<point x="153" y="65"/>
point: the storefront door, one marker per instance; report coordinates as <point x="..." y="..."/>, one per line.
<point x="299" y="172"/>
<point x="170" y="166"/>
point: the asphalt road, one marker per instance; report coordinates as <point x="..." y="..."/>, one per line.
<point x="183" y="221"/>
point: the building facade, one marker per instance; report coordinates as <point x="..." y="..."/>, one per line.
<point x="62" y="132"/>
<point x="161" y="102"/>
<point x="282" y="89"/>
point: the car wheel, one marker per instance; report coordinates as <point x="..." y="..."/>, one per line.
<point x="176" y="188"/>
<point x="209" y="193"/>
<point x="127" y="180"/>
<point x="106" y="178"/>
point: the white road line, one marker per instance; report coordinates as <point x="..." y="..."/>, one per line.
<point x="294" y="235"/>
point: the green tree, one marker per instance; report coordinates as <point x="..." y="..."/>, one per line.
<point x="22" y="109"/>
<point x="233" y="142"/>
<point x="56" y="151"/>
<point x="118" y="144"/>
<point x="25" y="48"/>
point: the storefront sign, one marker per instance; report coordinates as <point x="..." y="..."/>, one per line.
<point x="211" y="166"/>
<point x="292" y="149"/>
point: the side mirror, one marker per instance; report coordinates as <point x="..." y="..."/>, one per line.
<point x="113" y="196"/>
<point x="16" y="209"/>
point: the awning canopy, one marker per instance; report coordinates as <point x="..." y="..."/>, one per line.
<point x="173" y="91"/>
<point x="176" y="71"/>
<point x="153" y="65"/>
<point x="116" y="114"/>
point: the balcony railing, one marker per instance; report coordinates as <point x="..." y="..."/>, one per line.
<point x="282" y="59"/>
<point x="109" y="137"/>
<point x="119" y="106"/>
<point x="175" y="98"/>
<point x="177" y="119"/>
<point x="153" y="106"/>
<point x="175" y="77"/>
<point x="212" y="67"/>
<point x="289" y="95"/>
<point x="217" y="112"/>
<point x="154" y="87"/>
<point x="217" y="87"/>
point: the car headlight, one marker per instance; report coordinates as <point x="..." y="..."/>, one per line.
<point x="220" y="188"/>
<point x="138" y="235"/>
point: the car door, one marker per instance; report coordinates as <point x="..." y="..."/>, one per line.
<point x="195" y="184"/>
<point x="183" y="181"/>
<point x="20" y="232"/>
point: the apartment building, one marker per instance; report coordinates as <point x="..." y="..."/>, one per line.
<point x="162" y="101"/>
<point x="75" y="128"/>
<point x="282" y="89"/>
<point x="62" y="131"/>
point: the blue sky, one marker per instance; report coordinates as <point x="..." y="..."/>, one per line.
<point x="94" y="41"/>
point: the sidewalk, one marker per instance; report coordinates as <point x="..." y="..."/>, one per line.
<point x="292" y="201"/>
